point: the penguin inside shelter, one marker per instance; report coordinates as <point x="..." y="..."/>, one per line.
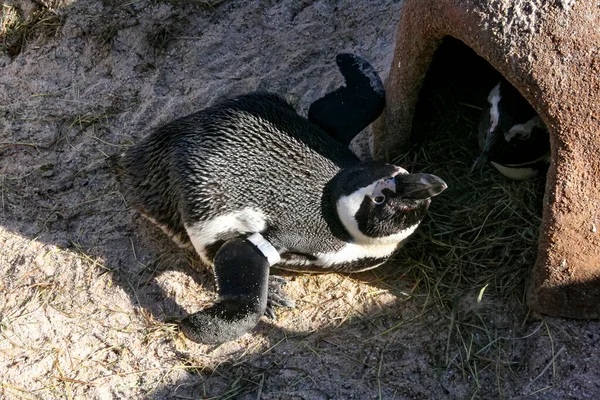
<point x="249" y="184"/>
<point x="512" y="136"/>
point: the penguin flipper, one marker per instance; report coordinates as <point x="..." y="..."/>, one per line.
<point x="242" y="275"/>
<point x="349" y="109"/>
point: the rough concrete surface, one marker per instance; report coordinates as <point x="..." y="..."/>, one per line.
<point x="550" y="51"/>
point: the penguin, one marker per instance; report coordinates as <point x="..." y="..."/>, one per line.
<point x="512" y="136"/>
<point x="249" y="184"/>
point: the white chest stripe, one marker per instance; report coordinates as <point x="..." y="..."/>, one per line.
<point x="265" y="247"/>
<point x="523" y="131"/>
<point x="353" y="252"/>
<point x="494" y="98"/>
<point x="349" y="253"/>
<point x="204" y="233"/>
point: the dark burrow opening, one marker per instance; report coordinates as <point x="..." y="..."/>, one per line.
<point x="481" y="234"/>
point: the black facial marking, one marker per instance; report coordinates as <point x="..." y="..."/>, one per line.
<point x="345" y="183"/>
<point x="391" y="217"/>
<point x="362" y="175"/>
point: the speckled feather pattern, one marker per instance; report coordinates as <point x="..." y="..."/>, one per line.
<point x="254" y="151"/>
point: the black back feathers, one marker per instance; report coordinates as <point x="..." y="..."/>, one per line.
<point x="349" y="109"/>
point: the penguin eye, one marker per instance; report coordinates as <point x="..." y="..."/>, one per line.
<point x="379" y="199"/>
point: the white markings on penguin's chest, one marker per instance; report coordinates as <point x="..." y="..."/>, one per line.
<point x="522" y="172"/>
<point x="494" y="100"/>
<point x="523" y="131"/>
<point x="516" y="173"/>
<point x="354" y="252"/>
<point x="351" y="252"/>
<point x="204" y="233"/>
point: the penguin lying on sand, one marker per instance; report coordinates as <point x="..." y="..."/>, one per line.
<point x="249" y="183"/>
<point x="512" y="136"/>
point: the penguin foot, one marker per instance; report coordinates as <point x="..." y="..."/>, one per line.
<point x="275" y="297"/>
<point x="349" y="109"/>
<point x="242" y="275"/>
<point x="226" y="320"/>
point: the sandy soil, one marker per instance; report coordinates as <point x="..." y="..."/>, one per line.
<point x="87" y="287"/>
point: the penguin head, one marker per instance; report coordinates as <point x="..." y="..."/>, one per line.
<point x="381" y="203"/>
<point x="512" y="136"/>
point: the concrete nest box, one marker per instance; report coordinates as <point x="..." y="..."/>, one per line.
<point x="550" y="51"/>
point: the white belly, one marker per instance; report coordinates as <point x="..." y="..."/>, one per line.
<point x="351" y="252"/>
<point x="208" y="232"/>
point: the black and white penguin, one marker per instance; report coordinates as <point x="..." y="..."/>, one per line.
<point x="512" y="136"/>
<point x="249" y="183"/>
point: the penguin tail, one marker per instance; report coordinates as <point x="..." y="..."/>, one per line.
<point x="113" y="163"/>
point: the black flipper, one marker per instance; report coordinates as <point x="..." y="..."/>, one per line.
<point x="242" y="274"/>
<point x="349" y="109"/>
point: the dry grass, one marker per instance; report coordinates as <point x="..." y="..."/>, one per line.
<point x="473" y="259"/>
<point x="16" y="29"/>
<point x="482" y="232"/>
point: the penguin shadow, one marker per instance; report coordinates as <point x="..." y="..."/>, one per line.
<point x="156" y="271"/>
<point x="81" y="212"/>
<point x="283" y="361"/>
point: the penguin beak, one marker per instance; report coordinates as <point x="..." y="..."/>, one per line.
<point x="418" y="186"/>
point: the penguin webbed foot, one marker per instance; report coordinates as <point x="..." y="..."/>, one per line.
<point x="346" y="111"/>
<point x="242" y="277"/>
<point x="275" y="297"/>
<point x="225" y="320"/>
